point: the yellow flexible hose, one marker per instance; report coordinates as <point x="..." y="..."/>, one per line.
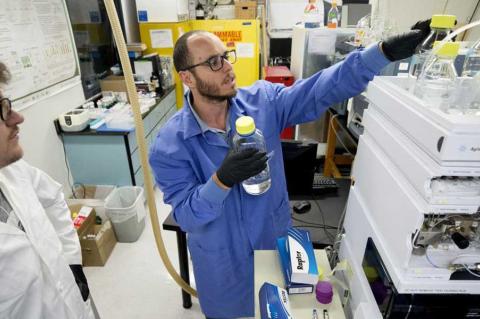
<point x="133" y="97"/>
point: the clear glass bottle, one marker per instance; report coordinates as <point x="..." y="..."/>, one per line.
<point x="471" y="66"/>
<point x="437" y="83"/>
<point x="362" y="31"/>
<point x="441" y="26"/>
<point x="248" y="136"/>
<point x="333" y="17"/>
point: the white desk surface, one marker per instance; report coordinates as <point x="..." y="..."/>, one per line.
<point x="267" y="269"/>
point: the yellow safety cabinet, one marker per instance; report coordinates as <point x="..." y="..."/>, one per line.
<point x="241" y="35"/>
<point x="163" y="31"/>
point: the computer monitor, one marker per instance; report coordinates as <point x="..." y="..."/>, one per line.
<point x="299" y="160"/>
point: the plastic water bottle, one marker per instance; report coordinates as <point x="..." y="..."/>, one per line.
<point x="250" y="137"/>
<point x="437" y="83"/>
<point x="333" y="17"/>
<point x="441" y="26"/>
<point x="313" y="14"/>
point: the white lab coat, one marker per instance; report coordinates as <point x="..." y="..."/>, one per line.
<point x="35" y="277"/>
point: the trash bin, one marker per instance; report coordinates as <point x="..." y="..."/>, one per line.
<point x="126" y="210"/>
<point x="91" y="195"/>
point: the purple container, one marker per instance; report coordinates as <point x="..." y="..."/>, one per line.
<point x="324" y="292"/>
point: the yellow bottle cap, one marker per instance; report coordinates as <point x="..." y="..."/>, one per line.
<point x="443" y="21"/>
<point x="449" y="49"/>
<point x="245" y="125"/>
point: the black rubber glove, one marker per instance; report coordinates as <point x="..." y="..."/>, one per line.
<point x="81" y="280"/>
<point x="403" y="45"/>
<point x="422" y="25"/>
<point x="238" y="166"/>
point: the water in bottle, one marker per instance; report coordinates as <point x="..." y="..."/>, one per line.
<point x="441" y="26"/>
<point x="471" y="66"/>
<point x="437" y="83"/>
<point x="248" y="136"/>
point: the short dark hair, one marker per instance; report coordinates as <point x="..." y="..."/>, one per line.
<point x="181" y="55"/>
<point x="4" y="74"/>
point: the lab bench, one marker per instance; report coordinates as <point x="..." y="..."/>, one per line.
<point x="327" y="209"/>
<point x="105" y="157"/>
<point x="268" y="269"/>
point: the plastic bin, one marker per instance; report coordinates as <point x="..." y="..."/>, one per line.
<point x="93" y="196"/>
<point x="126" y="210"/>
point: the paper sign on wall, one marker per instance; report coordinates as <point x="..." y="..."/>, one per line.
<point x="322" y="41"/>
<point x="228" y="36"/>
<point x="161" y="38"/>
<point x="245" y="50"/>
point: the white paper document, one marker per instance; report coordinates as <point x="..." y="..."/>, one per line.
<point x="322" y="41"/>
<point x="245" y="50"/>
<point x="161" y="38"/>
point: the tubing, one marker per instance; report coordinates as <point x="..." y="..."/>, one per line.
<point x="133" y="97"/>
<point x="431" y="56"/>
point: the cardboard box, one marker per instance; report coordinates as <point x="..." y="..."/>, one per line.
<point x="92" y="196"/>
<point x="87" y="223"/>
<point x="113" y="83"/>
<point x="245" y="9"/>
<point x="97" y="244"/>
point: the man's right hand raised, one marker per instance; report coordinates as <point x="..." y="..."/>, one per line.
<point x="239" y="166"/>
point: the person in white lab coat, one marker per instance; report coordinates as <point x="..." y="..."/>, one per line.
<point x="40" y="258"/>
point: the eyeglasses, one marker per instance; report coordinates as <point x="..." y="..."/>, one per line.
<point x="216" y="62"/>
<point x="6" y="106"/>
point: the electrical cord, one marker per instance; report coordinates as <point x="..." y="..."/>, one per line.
<point x="322" y="214"/>
<point x="70" y="183"/>
<point x="310" y="223"/>
<point x="310" y="226"/>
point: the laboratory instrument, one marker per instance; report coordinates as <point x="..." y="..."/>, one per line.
<point x="74" y="121"/>
<point x="411" y="230"/>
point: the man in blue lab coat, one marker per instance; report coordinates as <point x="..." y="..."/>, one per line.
<point x="201" y="177"/>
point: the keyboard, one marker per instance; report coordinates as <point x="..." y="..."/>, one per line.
<point x="322" y="184"/>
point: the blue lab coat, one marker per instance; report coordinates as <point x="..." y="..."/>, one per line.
<point x="224" y="227"/>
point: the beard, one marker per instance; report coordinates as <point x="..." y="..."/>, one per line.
<point x="212" y="91"/>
